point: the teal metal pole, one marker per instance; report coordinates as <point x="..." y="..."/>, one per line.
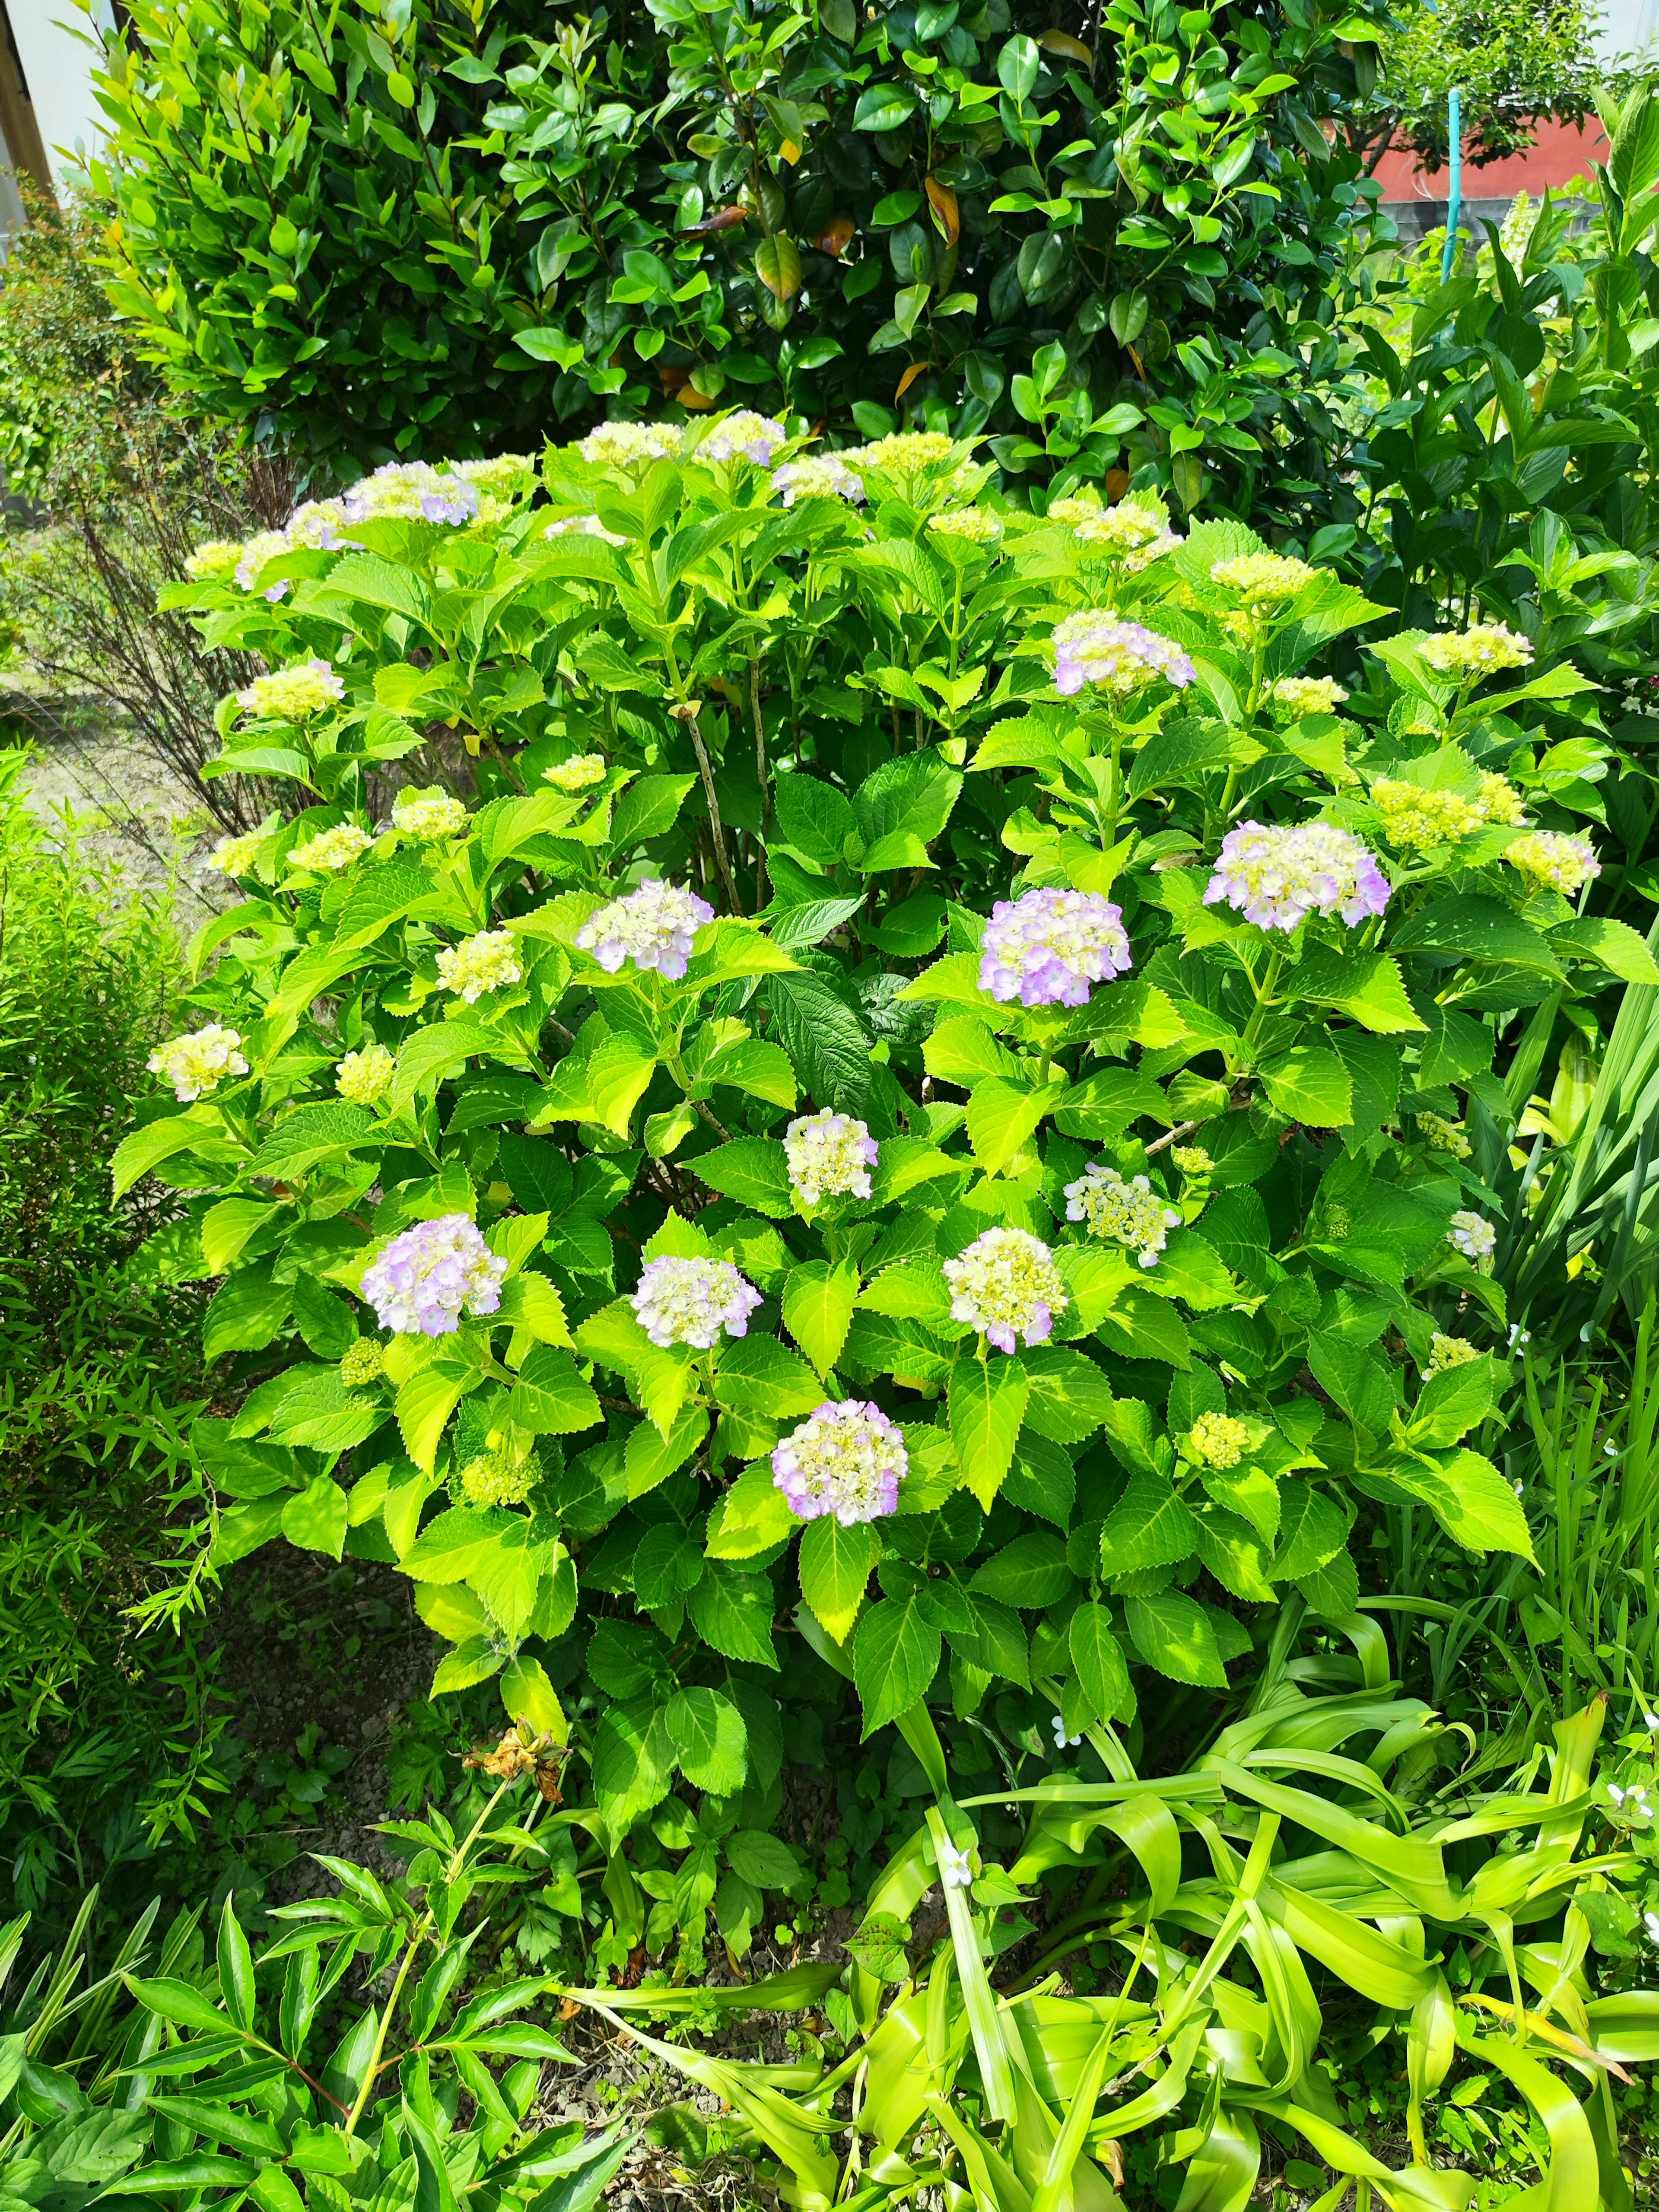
<point x="1455" y="208"/>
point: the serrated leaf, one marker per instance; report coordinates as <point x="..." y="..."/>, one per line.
<point x="987" y="1401"/>
<point x="818" y="1308"/>
<point x="835" y="1566"/>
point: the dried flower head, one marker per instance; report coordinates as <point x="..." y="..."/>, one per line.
<point x="1481" y="650"/>
<point x="654" y="926"/>
<point x="1443" y="1136"/>
<point x="430" y="1275"/>
<point x="523" y="1751"/>
<point x="1276" y="878"/>
<point x="411" y="491"/>
<point x="631" y="445"/>
<point x="1132" y="1214"/>
<point x="817" y="475"/>
<point x="1551" y="861"/>
<point x="1307" y="695"/>
<point x="583" y="526"/>
<point x="1263" y="580"/>
<point x="331" y="849"/>
<point x="198" y="1063"/>
<point x="830" y="1156"/>
<point x="580" y="773"/>
<point x="364" y="1077"/>
<point x="846" y="1458"/>
<point x="693" y="1301"/>
<point x="1006" y="1286"/>
<point x="488" y="962"/>
<point x="1446" y="1351"/>
<point x="742" y="436"/>
<point x="1475" y="1239"/>
<point x="428" y="814"/>
<point x="1217" y="1440"/>
<point x="364" y="1363"/>
<point x="1119" y="658"/>
<point x="498" y="1478"/>
<point x="1047" y="947"/>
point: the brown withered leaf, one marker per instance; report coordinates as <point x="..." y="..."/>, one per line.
<point x="943" y="201"/>
<point x="836" y="236"/>
<point x="1062" y="42"/>
<point x="916" y="368"/>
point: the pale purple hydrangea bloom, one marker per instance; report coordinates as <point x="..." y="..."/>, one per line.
<point x="1006" y="1286"/>
<point x="745" y="436"/>
<point x="846" y="1459"/>
<point x="1095" y="646"/>
<point x="692" y="1301"/>
<point x="425" y="1277"/>
<point x="411" y="491"/>
<point x="1475" y="1238"/>
<point x="1045" y="948"/>
<point x="654" y="926"/>
<point x="817" y="475"/>
<point x="1276" y="878"/>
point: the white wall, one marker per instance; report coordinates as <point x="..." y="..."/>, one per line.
<point x="1627" y="26"/>
<point x="52" y="37"/>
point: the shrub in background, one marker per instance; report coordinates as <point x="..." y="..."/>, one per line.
<point x="439" y="232"/>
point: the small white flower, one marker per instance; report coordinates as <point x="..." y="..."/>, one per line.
<point x="1651" y="1722"/>
<point x="484" y="962"/>
<point x="1651" y="1921"/>
<point x="954" y="1870"/>
<point x="828" y="1156"/>
<point x="1061" y="1740"/>
<point x="1615" y="1793"/>
<point x="1475" y="1239"/>
<point x="198" y="1063"/>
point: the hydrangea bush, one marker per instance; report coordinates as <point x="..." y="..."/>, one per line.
<point x="806" y="1098"/>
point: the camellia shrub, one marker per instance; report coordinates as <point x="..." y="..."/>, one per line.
<point x="433" y="230"/>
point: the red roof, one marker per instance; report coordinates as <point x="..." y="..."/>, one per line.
<point x="1562" y="152"/>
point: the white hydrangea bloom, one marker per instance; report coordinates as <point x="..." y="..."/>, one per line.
<point x="1006" y="1286"/>
<point x="580" y="773"/>
<point x="264" y="547"/>
<point x="1263" y="580"/>
<point x="976" y="525"/>
<point x="693" y="1301"/>
<point x="1481" y="650"/>
<point x="363" y="1078"/>
<point x="582" y="525"/>
<point x="1132" y="1214"/>
<point x="830" y="1156"/>
<point x="1475" y="1239"/>
<point x="1308" y="695"/>
<point x="428" y="814"/>
<point x="1553" y="861"/>
<point x="743" y="435"/>
<point x="293" y="694"/>
<point x="215" y="562"/>
<point x="629" y="444"/>
<point x="332" y="850"/>
<point x="235" y="856"/>
<point x="817" y="475"/>
<point x="200" y="1062"/>
<point x="488" y="962"/>
<point x="654" y="926"/>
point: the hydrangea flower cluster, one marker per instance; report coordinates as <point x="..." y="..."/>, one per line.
<point x="488" y="962"/>
<point x="363" y="1078"/>
<point x="214" y="562"/>
<point x="582" y="525"/>
<point x="1120" y="657"/>
<point x="1191" y="1159"/>
<point x="580" y="773"/>
<point x="502" y="477"/>
<point x="906" y="454"/>
<point x="1132" y="534"/>
<point x="293" y="694"/>
<point x="198" y="1063"/>
<point x="742" y="436"/>
<point x="1276" y="878"/>
<point x="331" y="850"/>
<point x="817" y="475"/>
<point x="362" y="1363"/>
<point x="1500" y="801"/>
<point x="1132" y="1214"/>
<point x="1217" y="1440"/>
<point x="260" y="550"/>
<point x="1006" y="1286"/>
<point x="426" y="812"/>
<point x="1446" y="1352"/>
<point x="1307" y="695"/>
<point x="1263" y="580"/>
<point x="830" y="1156"/>
<point x="976" y="525"/>
<point x="1047" y="947"/>
<point x="426" y="1277"/>
<point x="496" y="1478"/>
<point x="1441" y="1136"/>
<point x="411" y="491"/>
<point x="692" y="1301"/>
<point x="846" y="1458"/>
<point x="1475" y="1239"/>
<point x="235" y="856"/>
<point x="629" y="445"/>
<point x="1551" y="861"/>
<point x="1417" y="821"/>
<point x="317" y="524"/>
<point x="1481" y="650"/>
<point x="654" y="926"/>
